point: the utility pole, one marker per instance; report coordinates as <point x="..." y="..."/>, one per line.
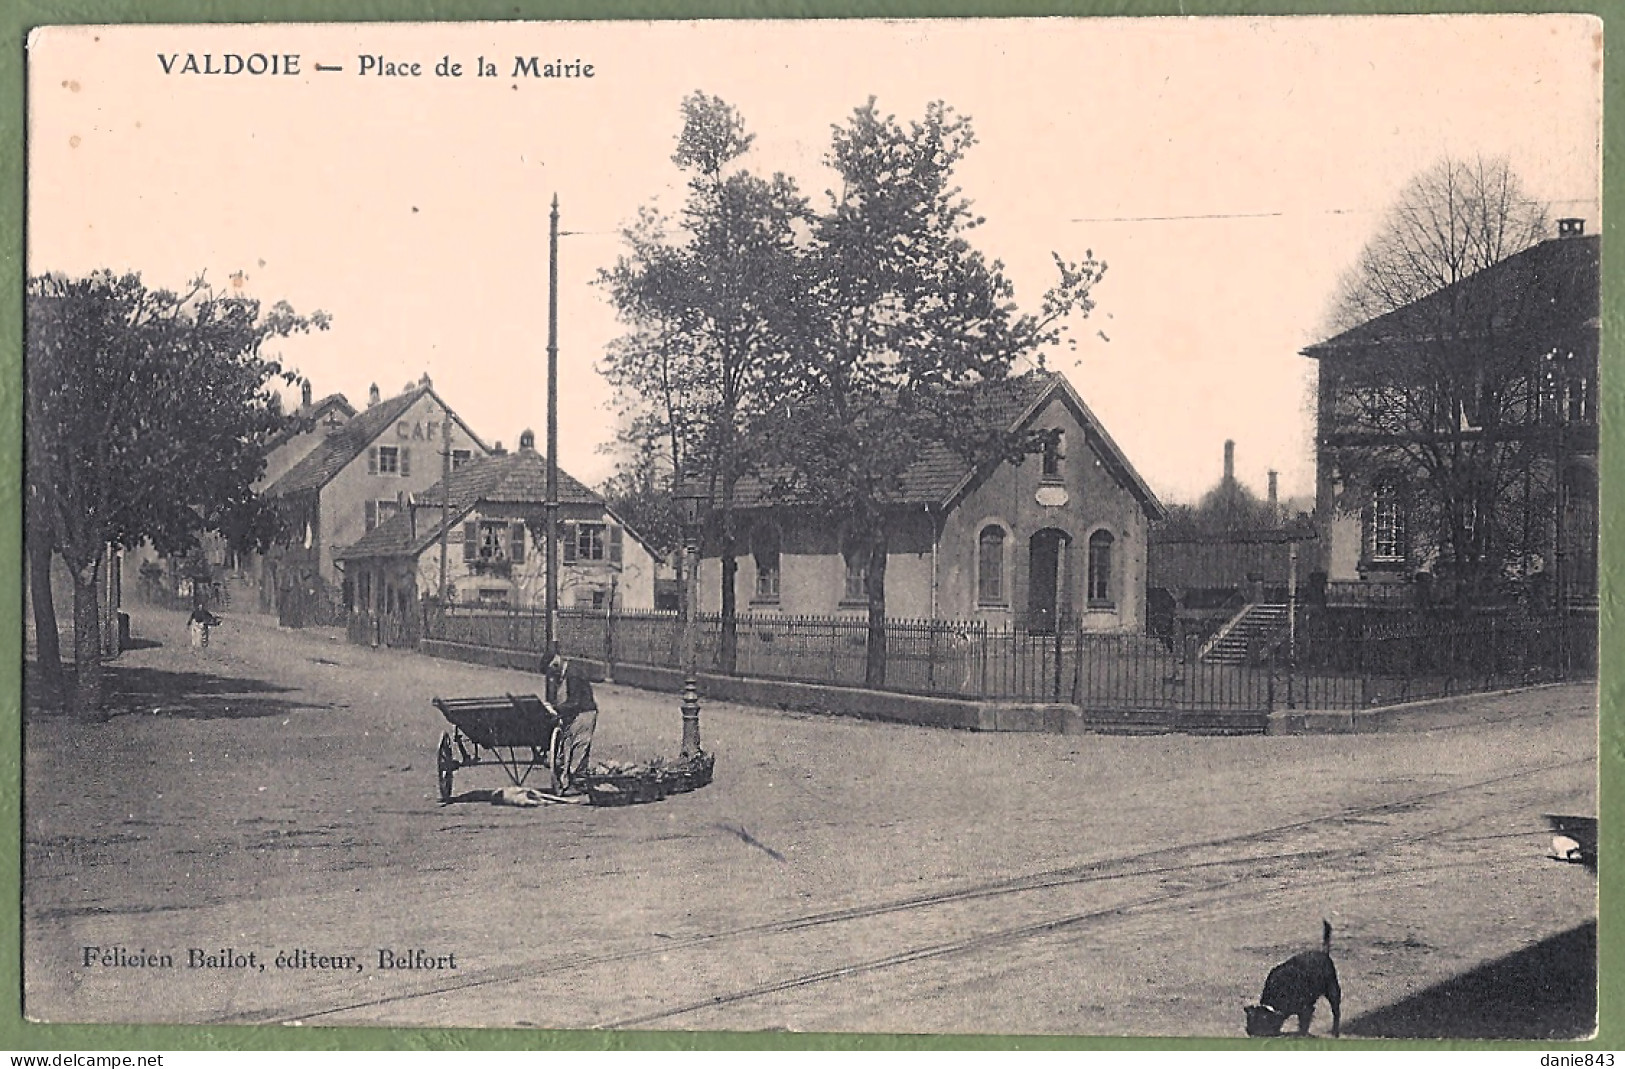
<point x="551" y="505"/>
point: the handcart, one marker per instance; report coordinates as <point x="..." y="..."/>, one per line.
<point x="519" y="732"/>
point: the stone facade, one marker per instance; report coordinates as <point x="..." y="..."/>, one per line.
<point x="1060" y="536"/>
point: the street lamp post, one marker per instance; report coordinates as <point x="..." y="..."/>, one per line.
<point x="690" y="500"/>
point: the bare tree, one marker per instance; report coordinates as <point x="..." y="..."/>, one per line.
<point x="1436" y="393"/>
<point x="1452" y="220"/>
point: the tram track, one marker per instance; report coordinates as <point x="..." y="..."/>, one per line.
<point x="1222" y="867"/>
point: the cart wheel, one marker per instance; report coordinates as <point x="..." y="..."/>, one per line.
<point x="556" y="758"/>
<point x="447" y="764"/>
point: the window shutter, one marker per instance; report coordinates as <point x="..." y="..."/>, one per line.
<point x="615" y="545"/>
<point x="471" y="541"/>
<point x="569" y="543"/>
<point x="516" y="543"/>
<point x="406" y="461"/>
<point x="372" y="461"/>
<point x="372" y="515"/>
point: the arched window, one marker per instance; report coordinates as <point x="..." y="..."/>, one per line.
<point x="990" y="566"/>
<point x="1099" y="590"/>
<point x="764" y="547"/>
<point x="1386" y="536"/>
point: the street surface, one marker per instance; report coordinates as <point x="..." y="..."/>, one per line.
<point x="274" y="795"/>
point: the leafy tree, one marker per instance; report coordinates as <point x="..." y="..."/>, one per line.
<point x="899" y="320"/>
<point x="1445" y="391"/>
<point x="145" y="413"/>
<point x="704" y="298"/>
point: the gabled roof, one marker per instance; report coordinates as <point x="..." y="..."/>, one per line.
<point x="939" y="476"/>
<point x="1556" y="282"/>
<point x="346" y="443"/>
<point x="509" y="479"/>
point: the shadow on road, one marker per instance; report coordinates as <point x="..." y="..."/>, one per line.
<point x="1547" y="991"/>
<point x="158" y="692"/>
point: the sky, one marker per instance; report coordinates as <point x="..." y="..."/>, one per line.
<point x="1227" y="170"/>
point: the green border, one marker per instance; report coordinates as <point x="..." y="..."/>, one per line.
<point x="15" y="21"/>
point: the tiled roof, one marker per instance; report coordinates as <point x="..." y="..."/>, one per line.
<point x="347" y="442"/>
<point x="510" y="479"/>
<point x="343" y="445"/>
<point x="939" y="473"/>
<point x="311" y="412"/>
<point x="1556" y="281"/>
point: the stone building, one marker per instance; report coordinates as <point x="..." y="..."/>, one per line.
<point x="1060" y="536"/>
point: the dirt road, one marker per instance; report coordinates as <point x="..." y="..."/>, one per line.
<point x="274" y="796"/>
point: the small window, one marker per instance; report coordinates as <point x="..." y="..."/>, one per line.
<point x="389" y="460"/>
<point x="990" y="566"/>
<point x="764" y="547"/>
<point x="1099" y="590"/>
<point x="493" y="541"/>
<point x="459" y="457"/>
<point x="377" y="513"/>
<point x="1387" y="534"/>
<point x="1579" y="399"/>
<point x="591" y="541"/>
<point x="856" y="557"/>
<point x="1054" y="453"/>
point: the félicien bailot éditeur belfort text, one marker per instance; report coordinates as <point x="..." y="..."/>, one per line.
<point x="295" y="959"/>
<point x="371" y="65"/>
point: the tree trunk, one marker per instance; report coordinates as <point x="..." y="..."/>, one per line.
<point x="874" y="669"/>
<point x="728" y="646"/>
<point x="728" y="640"/>
<point x="87" y="638"/>
<point x="47" y="645"/>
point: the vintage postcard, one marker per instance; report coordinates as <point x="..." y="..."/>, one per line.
<point x="1054" y="527"/>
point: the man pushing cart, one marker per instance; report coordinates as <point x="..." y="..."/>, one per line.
<point x="521" y="733"/>
<point x="570" y="694"/>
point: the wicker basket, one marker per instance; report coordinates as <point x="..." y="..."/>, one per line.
<point x="626" y="788"/>
<point x="608" y="794"/>
<point x="691" y="774"/>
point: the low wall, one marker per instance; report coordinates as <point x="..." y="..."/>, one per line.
<point x="523" y="660"/>
<point x="1053" y="718"/>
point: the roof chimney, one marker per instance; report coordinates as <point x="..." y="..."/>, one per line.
<point x="304" y="392"/>
<point x="372" y="395"/>
<point x="1571" y="228"/>
<point x="1274" y="496"/>
<point x="424" y="381"/>
<point x="527" y="442"/>
<point x="1229" y="461"/>
<point x="498" y="451"/>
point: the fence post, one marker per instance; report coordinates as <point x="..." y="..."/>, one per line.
<point x="932" y="627"/>
<point x="1291" y="678"/>
<point x="981" y="645"/>
<point x="1077" y="661"/>
<point x="1055" y="693"/>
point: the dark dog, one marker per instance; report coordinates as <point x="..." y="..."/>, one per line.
<point x="1294" y="987"/>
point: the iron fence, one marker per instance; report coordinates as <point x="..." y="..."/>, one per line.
<point x="1120" y="672"/>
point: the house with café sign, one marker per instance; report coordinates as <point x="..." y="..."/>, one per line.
<point x="362" y="471"/>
